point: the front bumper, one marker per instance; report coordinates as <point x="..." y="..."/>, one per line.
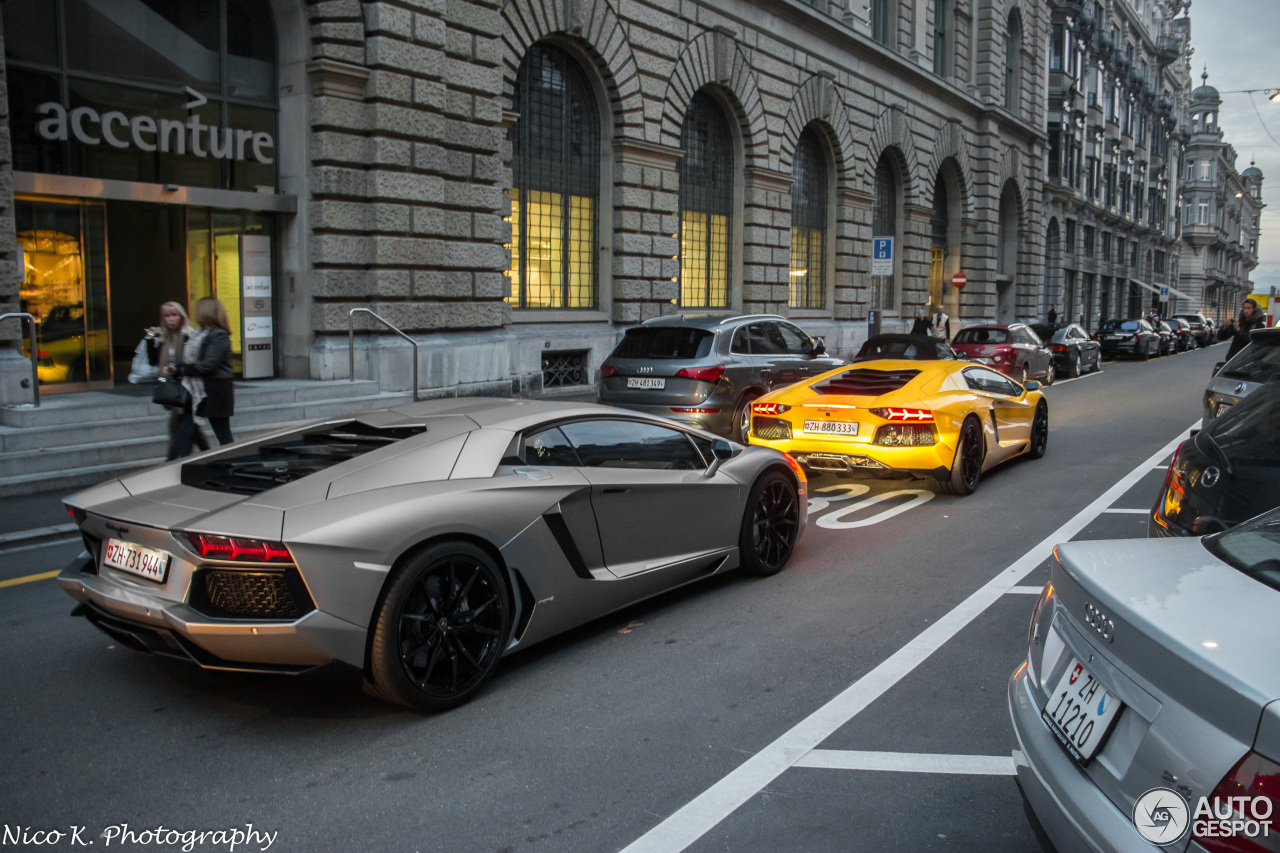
<point x="1074" y="812"/>
<point x="135" y="616"/>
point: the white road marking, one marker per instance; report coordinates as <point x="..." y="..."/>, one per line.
<point x="1058" y="382"/>
<point x="908" y="762"/>
<point x="1024" y="590"/>
<point x="697" y="817"/>
<point x="835" y="520"/>
<point x="1123" y="511"/>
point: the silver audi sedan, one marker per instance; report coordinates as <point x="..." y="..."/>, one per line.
<point x="1147" y="713"/>
<point x="422" y="543"/>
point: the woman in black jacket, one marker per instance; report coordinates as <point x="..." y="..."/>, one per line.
<point x="206" y="372"/>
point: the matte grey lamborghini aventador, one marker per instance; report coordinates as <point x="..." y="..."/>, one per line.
<point x="424" y="542"/>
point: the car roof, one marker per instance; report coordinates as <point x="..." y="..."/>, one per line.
<point x="709" y="321"/>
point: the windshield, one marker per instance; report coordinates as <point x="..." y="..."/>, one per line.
<point x="982" y="336"/>
<point x="680" y="342"/>
<point x="1258" y="362"/>
<point x="1249" y="434"/>
<point x="1120" y="325"/>
<point x="1252" y="548"/>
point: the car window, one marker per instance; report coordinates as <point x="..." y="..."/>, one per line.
<point x="740" y="344"/>
<point x="943" y="352"/>
<point x="765" y="339"/>
<point x="678" y="342"/>
<point x="1257" y="362"/>
<point x="795" y="341"/>
<point x="632" y="444"/>
<point x="982" y="336"/>
<point x="981" y="379"/>
<point x="550" y="447"/>
<point x="1250" y="433"/>
<point x="1252" y="548"/>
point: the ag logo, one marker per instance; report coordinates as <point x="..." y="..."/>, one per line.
<point x="1161" y="816"/>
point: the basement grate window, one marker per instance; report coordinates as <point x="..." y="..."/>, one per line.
<point x="564" y="369"/>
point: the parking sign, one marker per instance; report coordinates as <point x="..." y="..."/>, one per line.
<point x="882" y="256"/>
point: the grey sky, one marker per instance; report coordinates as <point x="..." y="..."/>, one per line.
<point x="1237" y="39"/>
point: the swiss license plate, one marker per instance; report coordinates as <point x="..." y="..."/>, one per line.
<point x="144" y="562"/>
<point x="646" y="382"/>
<point x="1080" y="711"/>
<point x="832" y="427"/>
<point x="1222" y="407"/>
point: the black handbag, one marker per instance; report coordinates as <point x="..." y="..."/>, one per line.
<point x="169" y="392"/>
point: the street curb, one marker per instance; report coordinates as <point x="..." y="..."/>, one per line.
<point x="36" y="535"/>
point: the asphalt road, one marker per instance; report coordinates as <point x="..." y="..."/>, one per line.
<point x="854" y="702"/>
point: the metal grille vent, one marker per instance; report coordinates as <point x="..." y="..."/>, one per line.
<point x="564" y="369"/>
<point x="770" y="429"/>
<point x="866" y="383"/>
<point x="234" y="594"/>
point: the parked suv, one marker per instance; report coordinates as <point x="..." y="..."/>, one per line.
<point x="706" y="370"/>
<point x="1200" y="327"/>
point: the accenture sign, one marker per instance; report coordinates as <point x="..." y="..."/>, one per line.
<point x="147" y="133"/>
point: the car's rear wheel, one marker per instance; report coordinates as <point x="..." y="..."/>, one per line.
<point x="1039" y="431"/>
<point x="440" y="629"/>
<point x="770" y="525"/>
<point x="1073" y="367"/>
<point x="742" y="419"/>
<point x="1051" y="375"/>
<point x="966" y="469"/>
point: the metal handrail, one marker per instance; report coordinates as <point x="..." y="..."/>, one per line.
<point x="351" y="344"/>
<point x="31" y="332"/>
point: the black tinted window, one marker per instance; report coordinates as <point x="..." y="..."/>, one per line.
<point x="549" y="447"/>
<point x="628" y="444"/>
<point x="982" y="336"/>
<point x="1252" y="548"/>
<point x="664" y="342"/>
<point x="795" y="341"/>
<point x="1249" y="434"/>
<point x="1258" y="362"/>
<point x="765" y="339"/>
<point x="981" y="379"/>
<point x="740" y="343"/>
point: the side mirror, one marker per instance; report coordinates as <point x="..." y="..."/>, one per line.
<point x="723" y="451"/>
<point x="1031" y="385"/>
<point x="1218" y="367"/>
<point x="817" y="347"/>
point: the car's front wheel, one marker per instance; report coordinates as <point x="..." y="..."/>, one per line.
<point x="440" y="629"/>
<point x="1039" y="431"/>
<point x="966" y="468"/>
<point x="770" y="525"/>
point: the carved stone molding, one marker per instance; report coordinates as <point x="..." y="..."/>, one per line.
<point x="331" y="78"/>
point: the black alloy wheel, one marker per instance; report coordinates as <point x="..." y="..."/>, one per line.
<point x="440" y="629"/>
<point x="1039" y="431"/>
<point x="770" y="525"/>
<point x="967" y="467"/>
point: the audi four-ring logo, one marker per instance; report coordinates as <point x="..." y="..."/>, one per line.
<point x="1099" y="621"/>
<point x="645" y="370"/>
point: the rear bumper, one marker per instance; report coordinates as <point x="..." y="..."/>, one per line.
<point x="1075" y="814"/>
<point x="135" y="617"/>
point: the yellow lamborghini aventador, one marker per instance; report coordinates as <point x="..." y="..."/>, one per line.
<point x="944" y="420"/>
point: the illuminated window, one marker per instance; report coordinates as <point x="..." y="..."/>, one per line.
<point x="556" y="184"/>
<point x="706" y="202"/>
<point x="808" y="223"/>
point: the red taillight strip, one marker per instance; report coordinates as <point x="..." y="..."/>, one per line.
<point x="769" y="408"/>
<point x="238" y="550"/>
<point x="702" y="374"/>
<point x="892" y="413"/>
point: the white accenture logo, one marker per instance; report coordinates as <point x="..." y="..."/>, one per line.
<point x="147" y="133"/>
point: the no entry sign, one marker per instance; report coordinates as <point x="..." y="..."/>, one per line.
<point x="959" y="280"/>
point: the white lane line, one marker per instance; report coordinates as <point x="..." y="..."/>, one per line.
<point x="1024" y="590"/>
<point x="691" y="821"/>
<point x="1058" y="382"/>
<point x="1123" y="511"/>
<point x="908" y="762"/>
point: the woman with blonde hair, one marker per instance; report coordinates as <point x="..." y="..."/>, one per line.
<point x="205" y="368"/>
<point x="165" y="345"/>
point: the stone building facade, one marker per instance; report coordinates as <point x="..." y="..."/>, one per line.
<point x="1220" y="214"/>
<point x="430" y="161"/>
<point x="1118" y="92"/>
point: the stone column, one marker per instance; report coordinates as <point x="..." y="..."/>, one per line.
<point x="853" y="254"/>
<point x="15" y="371"/>
<point x="766" y="241"/>
<point x="646" y="227"/>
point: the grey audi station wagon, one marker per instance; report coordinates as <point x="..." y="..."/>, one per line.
<point x="705" y="370"/>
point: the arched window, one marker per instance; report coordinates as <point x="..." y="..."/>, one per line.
<point x="884" y="223"/>
<point x="706" y="205"/>
<point x="555" y="148"/>
<point x="809" y="223"/>
<point x="1012" y="62"/>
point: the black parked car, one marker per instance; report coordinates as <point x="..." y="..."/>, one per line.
<point x="1226" y="473"/>
<point x="1182" y="330"/>
<point x="1133" y="338"/>
<point x="1074" y="352"/>
<point x="1201" y="327"/>
<point x="1168" y="338"/>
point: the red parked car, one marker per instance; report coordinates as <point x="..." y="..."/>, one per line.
<point x="1014" y="350"/>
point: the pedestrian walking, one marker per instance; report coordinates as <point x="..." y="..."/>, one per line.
<point x="1053" y="316"/>
<point x="921" y="325"/>
<point x="165" y="344"/>
<point x="205" y="369"/>
<point x="940" y="324"/>
<point x="1239" y="329"/>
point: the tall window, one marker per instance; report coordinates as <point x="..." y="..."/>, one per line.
<point x="880" y="21"/>
<point x="706" y="205"/>
<point x="884" y="223"/>
<point x="939" y="226"/>
<point x="940" y="37"/>
<point x="809" y="223"/>
<point x="1012" y="61"/>
<point x="555" y="148"/>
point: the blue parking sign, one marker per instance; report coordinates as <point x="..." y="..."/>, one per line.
<point x="882" y="256"/>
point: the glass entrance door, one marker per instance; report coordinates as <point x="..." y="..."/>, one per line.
<point x="65" y="287"/>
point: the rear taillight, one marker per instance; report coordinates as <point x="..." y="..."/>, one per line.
<point x="769" y="408"/>
<point x="893" y="413"/>
<point x="1243" y="814"/>
<point x="77" y="514"/>
<point x="608" y="370"/>
<point x="1005" y="352"/>
<point x="1033" y="636"/>
<point x="1137" y="337"/>
<point x="237" y="550"/>
<point x="1172" y="493"/>
<point x="1059" y="347"/>
<point x="702" y="374"/>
